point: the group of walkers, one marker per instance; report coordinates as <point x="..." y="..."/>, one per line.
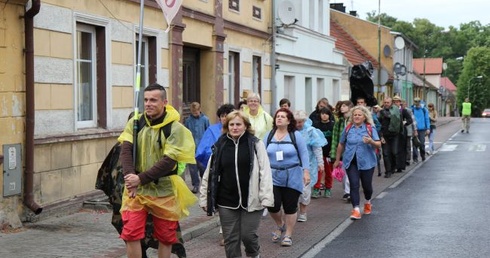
<point x="250" y="161"/>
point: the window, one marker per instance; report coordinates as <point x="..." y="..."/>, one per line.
<point x="86" y="76"/>
<point x="257" y="74"/>
<point x="234" y="5"/>
<point x="256" y="12"/>
<point x="90" y="44"/>
<point x="234" y="76"/>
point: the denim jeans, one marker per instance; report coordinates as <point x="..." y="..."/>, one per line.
<point x="356" y="178"/>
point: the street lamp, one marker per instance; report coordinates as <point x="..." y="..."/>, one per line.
<point x="469" y="84"/>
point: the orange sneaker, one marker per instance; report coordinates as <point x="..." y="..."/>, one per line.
<point x="367" y="208"/>
<point x="355" y="215"/>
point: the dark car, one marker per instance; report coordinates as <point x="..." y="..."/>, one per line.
<point x="486" y="113"/>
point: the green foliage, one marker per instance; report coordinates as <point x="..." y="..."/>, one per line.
<point x="464" y="50"/>
<point x="476" y="63"/>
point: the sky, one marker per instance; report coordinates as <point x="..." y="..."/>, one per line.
<point x="443" y="13"/>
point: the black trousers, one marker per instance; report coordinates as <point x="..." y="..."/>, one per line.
<point x="390" y="152"/>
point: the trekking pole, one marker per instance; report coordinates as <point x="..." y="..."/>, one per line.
<point x="137" y="87"/>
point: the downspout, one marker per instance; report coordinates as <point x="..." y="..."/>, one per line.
<point x="273" y="59"/>
<point x="29" y="146"/>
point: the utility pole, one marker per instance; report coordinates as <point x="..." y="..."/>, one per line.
<point x="379" y="46"/>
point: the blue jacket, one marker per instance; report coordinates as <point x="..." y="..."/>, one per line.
<point x="354" y="146"/>
<point x="421" y="115"/>
<point x="197" y="126"/>
<point x="209" y="138"/>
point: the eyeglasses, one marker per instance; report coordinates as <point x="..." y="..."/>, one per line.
<point x="253" y="101"/>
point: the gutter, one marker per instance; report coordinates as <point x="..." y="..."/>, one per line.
<point x="35" y="6"/>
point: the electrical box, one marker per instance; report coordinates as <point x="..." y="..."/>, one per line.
<point x="12" y="169"/>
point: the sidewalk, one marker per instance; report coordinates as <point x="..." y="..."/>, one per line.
<point x="89" y="233"/>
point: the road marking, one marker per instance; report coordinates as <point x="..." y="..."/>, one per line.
<point x="448" y="147"/>
<point x="381" y="195"/>
<point x="322" y="244"/>
<point x="477" y="147"/>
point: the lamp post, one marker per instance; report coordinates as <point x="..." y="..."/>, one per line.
<point x="469" y="84"/>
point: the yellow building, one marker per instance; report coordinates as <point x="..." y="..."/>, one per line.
<point x="67" y="98"/>
<point x="366" y="34"/>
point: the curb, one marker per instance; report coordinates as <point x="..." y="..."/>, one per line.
<point x="204" y="227"/>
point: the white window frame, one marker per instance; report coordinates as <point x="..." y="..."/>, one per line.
<point x="93" y="122"/>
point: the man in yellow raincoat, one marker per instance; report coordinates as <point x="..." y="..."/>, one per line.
<point x="153" y="185"/>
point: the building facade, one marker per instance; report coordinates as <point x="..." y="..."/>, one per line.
<point x="308" y="66"/>
<point x="84" y="58"/>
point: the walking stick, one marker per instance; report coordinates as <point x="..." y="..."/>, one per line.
<point x="137" y="87"/>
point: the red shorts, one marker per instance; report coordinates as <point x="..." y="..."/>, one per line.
<point x="134" y="227"/>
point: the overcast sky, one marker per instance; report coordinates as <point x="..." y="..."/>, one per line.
<point x="443" y="13"/>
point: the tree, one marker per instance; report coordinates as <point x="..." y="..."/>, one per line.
<point x="476" y="63"/>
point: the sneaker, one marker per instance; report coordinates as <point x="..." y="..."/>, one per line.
<point x="355" y="215"/>
<point x="302" y="217"/>
<point x="367" y="208"/>
<point x="346" y="197"/>
<point x="315" y="194"/>
<point x="327" y="193"/>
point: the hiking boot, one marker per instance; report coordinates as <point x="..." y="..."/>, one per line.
<point x="315" y="194"/>
<point x="367" y="208"/>
<point x="327" y="193"/>
<point x="302" y="217"/>
<point x="355" y="215"/>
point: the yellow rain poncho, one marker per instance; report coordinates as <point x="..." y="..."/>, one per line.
<point x="261" y="123"/>
<point x="169" y="197"/>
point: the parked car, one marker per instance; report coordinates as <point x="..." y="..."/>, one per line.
<point x="486" y="112"/>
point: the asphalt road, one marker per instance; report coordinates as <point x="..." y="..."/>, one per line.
<point x="439" y="209"/>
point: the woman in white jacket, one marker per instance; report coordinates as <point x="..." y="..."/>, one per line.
<point x="238" y="183"/>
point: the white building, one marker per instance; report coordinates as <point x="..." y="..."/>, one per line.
<point x="307" y="65"/>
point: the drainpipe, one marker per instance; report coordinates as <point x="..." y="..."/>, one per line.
<point x="29" y="146"/>
<point x="273" y="59"/>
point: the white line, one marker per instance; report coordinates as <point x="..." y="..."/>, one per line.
<point x="448" y="147"/>
<point x="381" y="195"/>
<point x="321" y="245"/>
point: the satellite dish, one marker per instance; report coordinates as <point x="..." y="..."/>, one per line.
<point x="384" y="77"/>
<point x="399" y="42"/>
<point x="286" y="12"/>
<point x="387" y="51"/>
<point x="399" y="69"/>
<point x="444" y="66"/>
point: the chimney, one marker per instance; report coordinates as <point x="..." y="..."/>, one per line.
<point x="338" y="6"/>
<point x="353" y="13"/>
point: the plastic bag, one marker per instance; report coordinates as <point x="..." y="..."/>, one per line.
<point x="338" y="172"/>
<point x="416" y="142"/>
